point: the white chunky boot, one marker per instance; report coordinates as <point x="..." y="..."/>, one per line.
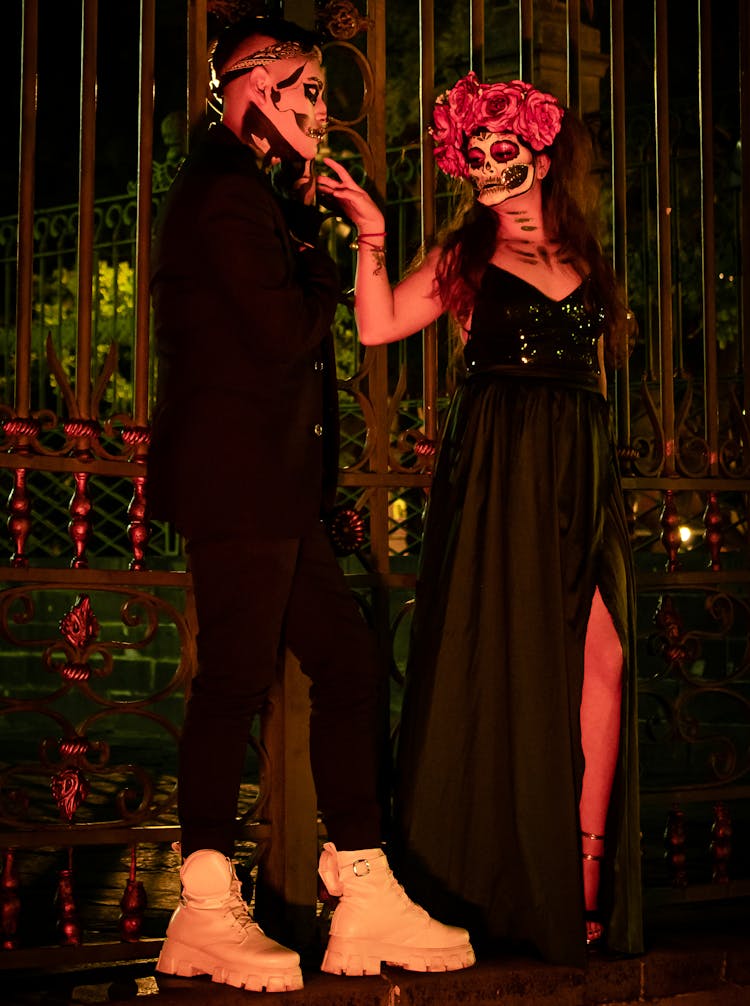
<point x="376" y="921"/>
<point x="212" y="932"/>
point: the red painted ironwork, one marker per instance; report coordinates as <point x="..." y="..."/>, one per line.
<point x="670" y="642"/>
<point x="70" y="787"/>
<point x="79" y="625"/>
<point x="79" y="429"/>
<point x="71" y="670"/>
<point x="22" y="428"/>
<point x="721" y="843"/>
<point x="133" y="904"/>
<point x="670" y="537"/>
<point x="136" y="436"/>
<point x="19" y="518"/>
<point x="347" y="531"/>
<point x="139" y="529"/>
<point x="68" y="921"/>
<point x="10" y="902"/>
<point x="74" y="747"/>
<point x="81" y="523"/>
<point x="714" y="522"/>
<point x="675" y="839"/>
<point x="425" y="448"/>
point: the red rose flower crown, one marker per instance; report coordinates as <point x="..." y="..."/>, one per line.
<point x="517" y="108"/>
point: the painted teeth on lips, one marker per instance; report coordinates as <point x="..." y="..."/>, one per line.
<point x="316" y="134"/>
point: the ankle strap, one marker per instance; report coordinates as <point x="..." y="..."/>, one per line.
<point x="592" y="837"/>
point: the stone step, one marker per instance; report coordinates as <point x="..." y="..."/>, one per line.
<point x="696" y="956"/>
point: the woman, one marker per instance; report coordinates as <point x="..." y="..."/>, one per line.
<point x="517" y="766"/>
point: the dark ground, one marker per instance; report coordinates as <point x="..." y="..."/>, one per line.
<point x="697" y="955"/>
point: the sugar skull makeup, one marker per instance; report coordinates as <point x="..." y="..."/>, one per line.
<point x="289" y="116"/>
<point x="530" y="117"/>
<point x="295" y="104"/>
<point x="499" y="166"/>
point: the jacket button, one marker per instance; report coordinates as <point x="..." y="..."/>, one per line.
<point x="318" y="430"/>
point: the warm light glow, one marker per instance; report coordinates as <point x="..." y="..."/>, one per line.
<point x="685" y="533"/>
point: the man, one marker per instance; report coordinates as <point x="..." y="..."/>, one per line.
<point x="243" y="461"/>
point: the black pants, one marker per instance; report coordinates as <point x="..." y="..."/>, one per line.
<point x="253" y="598"/>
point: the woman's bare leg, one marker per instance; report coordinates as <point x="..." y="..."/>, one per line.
<point x="600" y="737"/>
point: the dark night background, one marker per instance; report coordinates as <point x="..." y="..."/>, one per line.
<point x="117" y="96"/>
<point x="118" y="28"/>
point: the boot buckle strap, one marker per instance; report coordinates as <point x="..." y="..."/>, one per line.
<point x="361" y="867"/>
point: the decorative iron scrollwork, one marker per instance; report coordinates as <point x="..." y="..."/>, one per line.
<point x="346" y="529"/>
<point x="69" y="789"/>
<point x="340" y="19"/>
<point x="79" y="626"/>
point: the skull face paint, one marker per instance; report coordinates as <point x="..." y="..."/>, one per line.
<point x="500" y="167"/>
<point x="294" y="106"/>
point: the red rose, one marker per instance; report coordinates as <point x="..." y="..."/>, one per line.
<point x="445" y="129"/>
<point x="497" y="107"/>
<point x="539" y="119"/>
<point x="453" y="111"/>
<point x="461" y="98"/>
<point x="452" y="161"/>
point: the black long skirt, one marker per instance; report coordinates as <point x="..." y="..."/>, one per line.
<point x="525" y="520"/>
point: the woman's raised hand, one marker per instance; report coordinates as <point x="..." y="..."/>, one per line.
<point x="354" y="202"/>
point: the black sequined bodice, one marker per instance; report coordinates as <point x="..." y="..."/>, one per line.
<point x="515" y="325"/>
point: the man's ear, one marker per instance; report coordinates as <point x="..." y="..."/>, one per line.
<point x="259" y="84"/>
<point x="542" y="165"/>
<point x="248" y="88"/>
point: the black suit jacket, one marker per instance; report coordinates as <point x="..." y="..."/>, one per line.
<point x="245" y="431"/>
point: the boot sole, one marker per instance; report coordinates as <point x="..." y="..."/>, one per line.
<point x="188" y="962"/>
<point x="345" y="956"/>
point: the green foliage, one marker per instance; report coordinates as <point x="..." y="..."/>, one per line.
<point x="54" y="314"/>
<point x="345" y="342"/>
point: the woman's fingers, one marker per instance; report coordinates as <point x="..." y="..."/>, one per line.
<point x="352" y="198"/>
<point x="339" y="170"/>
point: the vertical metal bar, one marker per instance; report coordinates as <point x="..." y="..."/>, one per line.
<point x="378" y="383"/>
<point x="574" y="55"/>
<point x="25" y="248"/>
<point x="526" y="39"/>
<point x="427" y="190"/>
<point x="678" y="288"/>
<point x="143" y="223"/>
<point x="663" y="232"/>
<point x="708" y="235"/>
<point x="378" y="379"/>
<point x="376" y="126"/>
<point x="619" y="192"/>
<point x="86" y="164"/>
<point x="744" y="60"/>
<point x="476" y="27"/>
<point x="645" y="187"/>
<point x="197" y="44"/>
